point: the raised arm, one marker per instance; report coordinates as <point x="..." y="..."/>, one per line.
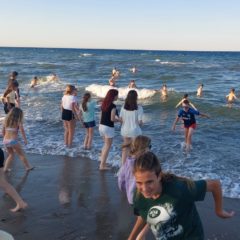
<point x="140" y="223"/>
<point x="179" y="103"/>
<point x="214" y="186"/>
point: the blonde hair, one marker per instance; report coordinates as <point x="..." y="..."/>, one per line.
<point x="139" y="145"/>
<point x="69" y="89"/>
<point x="14" y="118"/>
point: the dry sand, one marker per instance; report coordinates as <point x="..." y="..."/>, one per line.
<point x="69" y="199"/>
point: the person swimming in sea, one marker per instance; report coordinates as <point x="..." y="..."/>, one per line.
<point x="132" y="84"/>
<point x="231" y="97"/>
<point x="34" y="82"/>
<point x="200" y="90"/>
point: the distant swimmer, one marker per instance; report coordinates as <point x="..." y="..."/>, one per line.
<point x="34" y="82"/>
<point x="112" y="81"/>
<point x="132" y="84"/>
<point x="114" y="71"/>
<point x="231" y="97"/>
<point x="200" y="90"/>
<point x="133" y="69"/>
<point x="164" y="92"/>
<point x="185" y="97"/>
<point x="53" y="77"/>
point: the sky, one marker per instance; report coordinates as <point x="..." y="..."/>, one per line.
<point x="201" y="25"/>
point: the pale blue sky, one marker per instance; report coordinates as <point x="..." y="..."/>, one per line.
<point x="122" y="24"/>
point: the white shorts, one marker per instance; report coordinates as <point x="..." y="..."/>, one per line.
<point x="106" y="131"/>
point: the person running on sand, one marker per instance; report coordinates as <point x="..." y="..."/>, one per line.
<point x="87" y="109"/>
<point x="231" y="97"/>
<point x="200" y="90"/>
<point x="69" y="108"/>
<point x="185" y="97"/>
<point x="167" y="202"/>
<point x="108" y="116"/>
<point x="188" y="116"/>
<point x="9" y="189"/>
<point x="131" y="116"/>
<point x="12" y="124"/>
<point x="34" y="82"/>
<point x="126" y="179"/>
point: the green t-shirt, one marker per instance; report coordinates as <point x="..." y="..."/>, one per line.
<point x="173" y="215"/>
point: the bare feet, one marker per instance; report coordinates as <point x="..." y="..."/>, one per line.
<point x="19" y="207"/>
<point x="104" y="168"/>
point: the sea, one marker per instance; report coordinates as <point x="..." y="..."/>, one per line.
<point x="215" y="149"/>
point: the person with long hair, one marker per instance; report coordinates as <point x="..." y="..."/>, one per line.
<point x="167" y="202"/>
<point x="131" y="115"/>
<point x="87" y="109"/>
<point x="12" y="124"/>
<point x="106" y="127"/>
<point x="69" y="108"/>
<point x="11" y="97"/>
<point x="9" y="189"/>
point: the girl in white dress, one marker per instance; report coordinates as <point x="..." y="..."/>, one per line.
<point x="131" y="117"/>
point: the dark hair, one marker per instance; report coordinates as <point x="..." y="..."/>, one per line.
<point x="148" y="161"/>
<point x="86" y="97"/>
<point x="131" y="101"/>
<point x="1" y="156"/>
<point x="185" y="95"/>
<point x="10" y="87"/>
<point x="108" y="100"/>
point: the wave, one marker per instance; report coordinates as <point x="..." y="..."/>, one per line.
<point x="85" y="55"/>
<point x="101" y="91"/>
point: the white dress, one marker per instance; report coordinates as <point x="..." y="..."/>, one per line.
<point x="130" y="126"/>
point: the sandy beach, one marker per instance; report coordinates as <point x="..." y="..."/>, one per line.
<point x="69" y="199"/>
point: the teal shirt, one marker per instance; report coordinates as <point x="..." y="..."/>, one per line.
<point x="89" y="115"/>
<point x="173" y="215"/>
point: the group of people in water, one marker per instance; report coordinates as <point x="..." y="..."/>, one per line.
<point x="163" y="202"/>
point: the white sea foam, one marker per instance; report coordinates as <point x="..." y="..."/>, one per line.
<point x="101" y="91"/>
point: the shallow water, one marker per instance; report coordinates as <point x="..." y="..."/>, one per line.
<point x="215" y="142"/>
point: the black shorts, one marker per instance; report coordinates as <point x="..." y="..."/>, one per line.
<point x="67" y="115"/>
<point x="1" y="158"/>
<point x="89" y="124"/>
<point x="8" y="108"/>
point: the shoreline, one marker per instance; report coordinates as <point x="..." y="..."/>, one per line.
<point x="69" y="198"/>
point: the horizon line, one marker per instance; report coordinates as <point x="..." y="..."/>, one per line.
<point x="123" y="49"/>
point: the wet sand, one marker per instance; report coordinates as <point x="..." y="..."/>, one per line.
<point x="69" y="199"/>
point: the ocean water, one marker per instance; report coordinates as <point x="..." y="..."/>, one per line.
<point x="215" y="152"/>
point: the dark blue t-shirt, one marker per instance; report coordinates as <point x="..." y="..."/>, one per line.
<point x="188" y="117"/>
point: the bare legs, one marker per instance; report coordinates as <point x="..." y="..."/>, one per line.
<point x="125" y="150"/>
<point x="188" y="137"/>
<point x="69" y="129"/>
<point x="9" y="189"/>
<point x="105" y="150"/>
<point x="88" y="138"/>
<point x="18" y="149"/>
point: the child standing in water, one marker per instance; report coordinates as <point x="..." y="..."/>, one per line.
<point x="87" y="109"/>
<point x="126" y="179"/>
<point x="167" y="202"/>
<point x="69" y="107"/>
<point x="9" y="189"/>
<point x="188" y="116"/>
<point x="14" y="122"/>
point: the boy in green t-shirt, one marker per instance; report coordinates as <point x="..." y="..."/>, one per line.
<point x="166" y="202"/>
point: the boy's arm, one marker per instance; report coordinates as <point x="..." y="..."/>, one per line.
<point x="214" y="186"/>
<point x="175" y="122"/>
<point x="140" y="223"/>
